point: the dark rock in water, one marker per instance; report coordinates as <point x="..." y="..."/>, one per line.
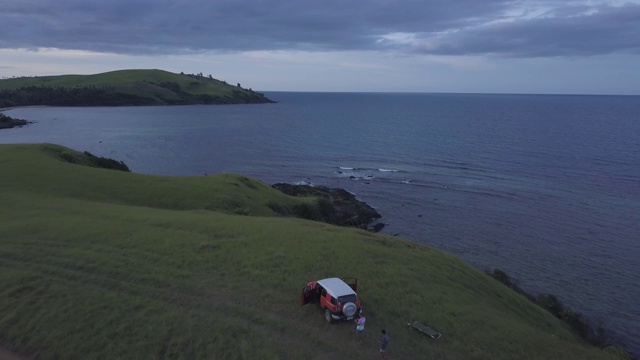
<point x="335" y="206"/>
<point x="377" y="227"/>
<point x="7" y="122"/>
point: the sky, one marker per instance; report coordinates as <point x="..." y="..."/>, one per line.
<point x="463" y="46"/>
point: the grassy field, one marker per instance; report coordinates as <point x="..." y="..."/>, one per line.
<point x="158" y="85"/>
<point x="104" y="264"/>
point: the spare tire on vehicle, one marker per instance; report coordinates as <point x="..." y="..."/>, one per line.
<point x="349" y="309"/>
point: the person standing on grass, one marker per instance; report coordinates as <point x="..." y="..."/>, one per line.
<point x="384" y="344"/>
<point x="360" y="327"/>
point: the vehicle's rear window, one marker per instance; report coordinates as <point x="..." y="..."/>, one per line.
<point x="347" y="298"/>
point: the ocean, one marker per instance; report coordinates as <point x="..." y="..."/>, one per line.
<point x="543" y="187"/>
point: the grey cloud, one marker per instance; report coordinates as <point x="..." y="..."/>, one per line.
<point x="609" y="30"/>
<point x="174" y="26"/>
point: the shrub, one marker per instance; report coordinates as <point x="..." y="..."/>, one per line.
<point x="306" y="211"/>
<point x="595" y="335"/>
<point x="327" y="209"/>
<point x="106" y="163"/>
<point x="279" y="208"/>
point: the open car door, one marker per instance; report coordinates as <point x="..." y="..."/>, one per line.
<point x="352" y="282"/>
<point x="307" y="294"/>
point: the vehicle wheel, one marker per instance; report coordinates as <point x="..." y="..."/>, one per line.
<point x="349" y="309"/>
<point x="327" y="315"/>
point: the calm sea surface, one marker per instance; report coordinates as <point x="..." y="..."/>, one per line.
<point x="546" y="188"/>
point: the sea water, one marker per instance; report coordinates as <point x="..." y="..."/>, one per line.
<point x="544" y="187"/>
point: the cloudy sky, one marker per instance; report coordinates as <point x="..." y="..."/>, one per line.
<point x="486" y="46"/>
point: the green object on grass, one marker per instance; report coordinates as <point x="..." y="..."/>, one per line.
<point x="425" y="329"/>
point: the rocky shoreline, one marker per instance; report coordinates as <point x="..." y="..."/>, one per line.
<point x="345" y="209"/>
<point x="7" y="122"/>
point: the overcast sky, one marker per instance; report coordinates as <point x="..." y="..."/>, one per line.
<point x="488" y="46"/>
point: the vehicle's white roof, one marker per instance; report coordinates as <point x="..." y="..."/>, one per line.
<point x="336" y="287"/>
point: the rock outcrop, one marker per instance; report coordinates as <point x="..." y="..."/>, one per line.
<point x="337" y="206"/>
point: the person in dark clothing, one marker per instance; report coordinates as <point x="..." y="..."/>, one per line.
<point x="384" y="344"/>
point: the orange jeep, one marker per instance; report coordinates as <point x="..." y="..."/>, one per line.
<point x="336" y="297"/>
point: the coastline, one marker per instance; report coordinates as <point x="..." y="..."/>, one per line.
<point x="20" y="107"/>
<point x="347" y="241"/>
<point x="583" y="327"/>
<point x="7" y="122"/>
<point x="14" y="107"/>
<point x="336" y="206"/>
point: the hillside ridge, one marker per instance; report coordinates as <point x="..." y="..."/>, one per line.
<point x="124" y="88"/>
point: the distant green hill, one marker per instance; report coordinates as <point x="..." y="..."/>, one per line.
<point x="123" y="87"/>
<point x="107" y="264"/>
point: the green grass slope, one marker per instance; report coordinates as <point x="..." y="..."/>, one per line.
<point x="123" y="87"/>
<point x="104" y="264"/>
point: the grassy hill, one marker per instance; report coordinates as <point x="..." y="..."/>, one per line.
<point x="123" y="87"/>
<point x="101" y="264"/>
